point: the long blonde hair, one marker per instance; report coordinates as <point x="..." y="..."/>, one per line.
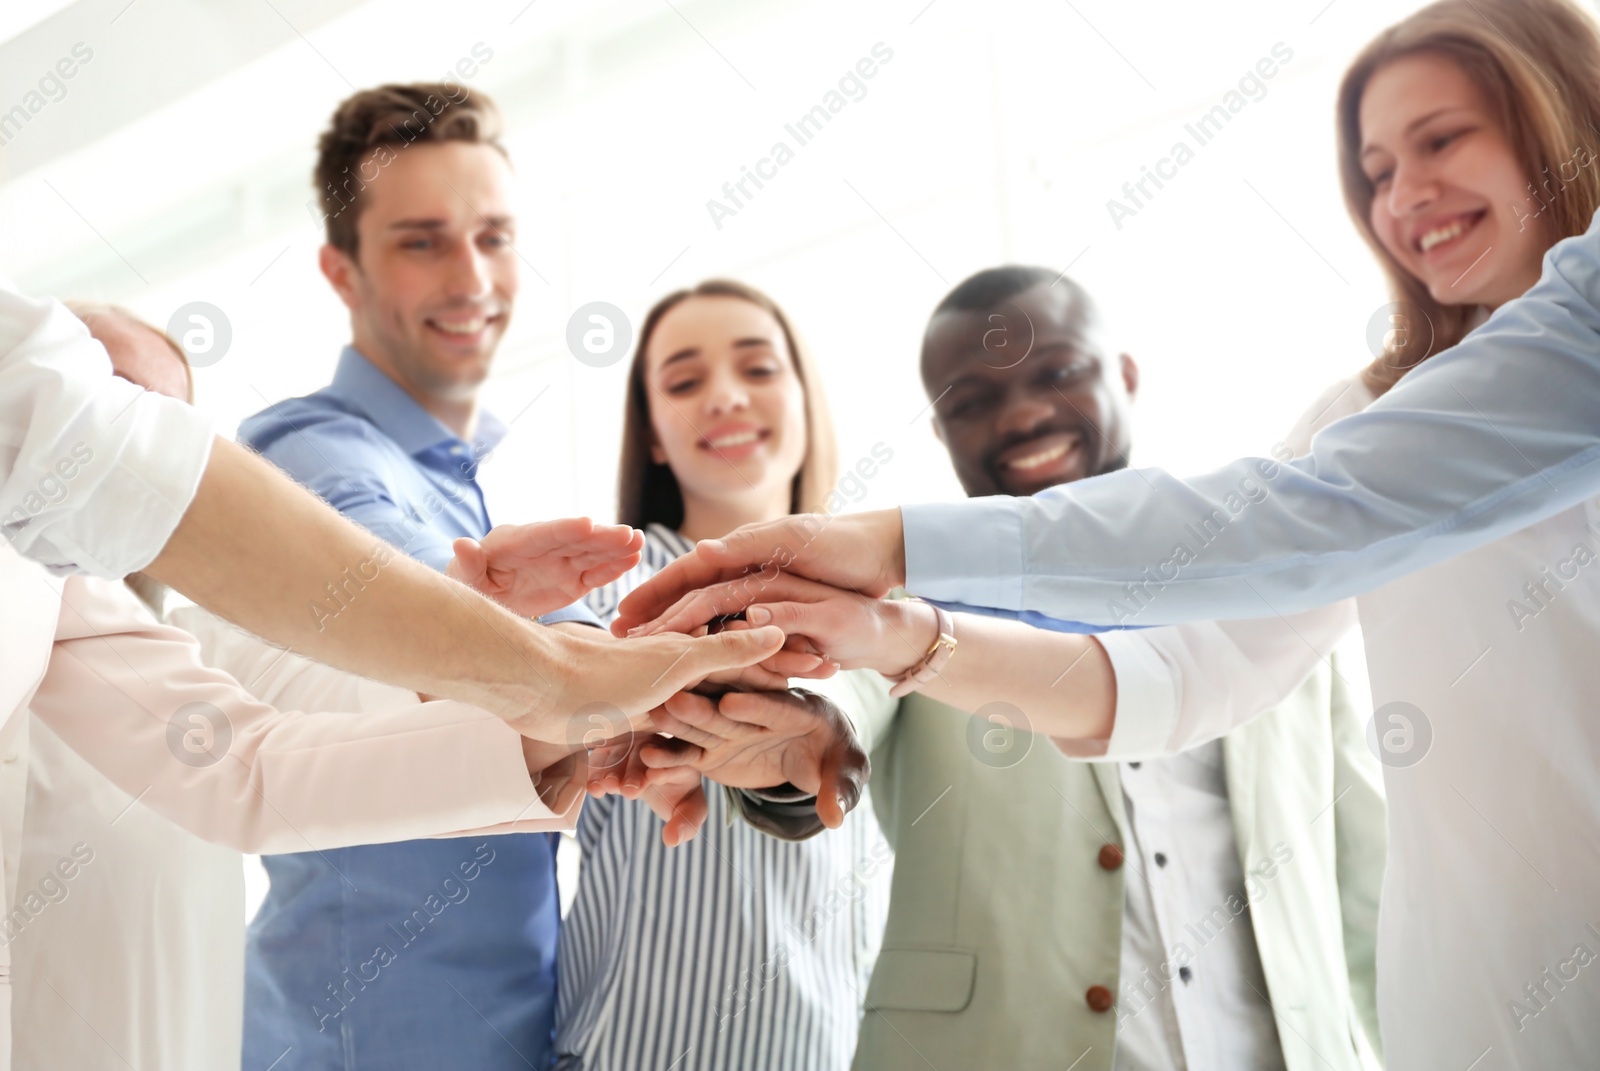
<point x="1537" y="62"/>
<point x="647" y="491"/>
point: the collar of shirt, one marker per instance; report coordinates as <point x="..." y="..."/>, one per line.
<point x="361" y="385"/>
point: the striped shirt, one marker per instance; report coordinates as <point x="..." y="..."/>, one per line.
<point x="736" y="950"/>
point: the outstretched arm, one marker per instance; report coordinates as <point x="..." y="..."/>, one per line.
<point x="1481" y="440"/>
<point x="257" y="550"/>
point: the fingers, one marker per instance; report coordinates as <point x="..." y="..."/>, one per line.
<point x="788" y="663"/>
<point x="706" y="717"/>
<point x="774" y="711"/>
<point x="758" y="678"/>
<point x="606" y="572"/>
<point x="540" y="537"/>
<point x="645" y="603"/>
<point x="724" y="651"/>
<point x="845" y="771"/>
<point x="733" y="596"/>
<point x="678" y="798"/>
<point x="754" y="544"/>
<point x="661" y="755"/>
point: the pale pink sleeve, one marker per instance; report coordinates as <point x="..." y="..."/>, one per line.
<point x="133" y="698"/>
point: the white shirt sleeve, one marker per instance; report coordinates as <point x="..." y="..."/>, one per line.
<point x="1181" y="686"/>
<point x="95" y="472"/>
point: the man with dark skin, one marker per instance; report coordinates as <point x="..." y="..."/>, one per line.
<point x="1025" y="399"/>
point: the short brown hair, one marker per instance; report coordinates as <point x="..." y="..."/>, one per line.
<point x="1537" y="62"/>
<point x="648" y="492"/>
<point x="368" y="127"/>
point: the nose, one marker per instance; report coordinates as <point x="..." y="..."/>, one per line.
<point x="1024" y="413"/>
<point x="469" y="273"/>
<point x="726" y="394"/>
<point x="1411" y="189"/>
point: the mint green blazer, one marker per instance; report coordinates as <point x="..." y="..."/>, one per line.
<point x="1002" y="918"/>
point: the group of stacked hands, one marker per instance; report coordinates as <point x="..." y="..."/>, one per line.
<point x="761" y="579"/>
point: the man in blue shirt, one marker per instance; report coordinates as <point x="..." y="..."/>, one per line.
<point x="437" y="953"/>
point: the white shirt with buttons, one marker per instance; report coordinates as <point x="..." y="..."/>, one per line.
<point x="1193" y="995"/>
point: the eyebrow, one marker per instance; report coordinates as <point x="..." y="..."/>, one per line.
<point x="1416" y="123"/>
<point x="1071" y="347"/>
<point x="694" y="351"/>
<point x="496" y="222"/>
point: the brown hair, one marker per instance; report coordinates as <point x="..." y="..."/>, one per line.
<point x="370" y="126"/>
<point x="1537" y="62"/>
<point x="90" y="311"/>
<point x="647" y="491"/>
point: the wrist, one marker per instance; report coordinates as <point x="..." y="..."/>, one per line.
<point x="934" y="658"/>
<point x="894" y="549"/>
<point x="913" y="628"/>
<point x="549" y="659"/>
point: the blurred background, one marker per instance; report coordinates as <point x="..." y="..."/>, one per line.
<point x="174" y="166"/>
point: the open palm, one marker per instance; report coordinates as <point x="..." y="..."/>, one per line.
<point x="534" y="569"/>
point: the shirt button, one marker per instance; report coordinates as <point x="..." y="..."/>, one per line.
<point x="1098" y="998"/>
<point x="1110" y="857"/>
<point x="12" y="755"/>
<point x="1185" y="973"/>
<point x="1161" y="859"/>
<point x="1133" y="765"/>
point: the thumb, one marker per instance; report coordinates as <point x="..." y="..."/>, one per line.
<point x="470" y="563"/>
<point x="732" y="650"/>
<point x="753" y="544"/>
<point x="844" y="774"/>
<point x="795" y="618"/>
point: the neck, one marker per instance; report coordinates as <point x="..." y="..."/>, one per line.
<point x="460" y="415"/>
<point x="713" y="518"/>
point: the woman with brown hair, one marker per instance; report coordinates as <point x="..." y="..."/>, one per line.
<point x="736" y="949"/>
<point x="1468" y="138"/>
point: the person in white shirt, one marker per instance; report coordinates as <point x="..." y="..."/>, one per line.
<point x="1481" y="666"/>
<point x="164" y="992"/>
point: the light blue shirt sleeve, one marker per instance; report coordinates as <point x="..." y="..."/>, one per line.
<point x="1483" y="439"/>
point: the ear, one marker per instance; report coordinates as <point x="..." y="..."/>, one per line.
<point x="1130" y="375"/>
<point x="339" y="269"/>
<point x="938" y="429"/>
<point x="658" y="455"/>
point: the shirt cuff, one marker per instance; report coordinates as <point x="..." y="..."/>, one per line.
<point x="945" y="562"/>
<point x="1147" y="698"/>
<point x="578" y="611"/>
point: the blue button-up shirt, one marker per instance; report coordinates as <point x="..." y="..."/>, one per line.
<point x="427" y="954"/>
<point x="1477" y="442"/>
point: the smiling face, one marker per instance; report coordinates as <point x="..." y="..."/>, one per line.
<point x="727" y="409"/>
<point x="432" y="284"/>
<point x="1018" y="418"/>
<point x="1449" y="196"/>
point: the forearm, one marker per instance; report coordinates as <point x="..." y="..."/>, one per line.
<point x="259" y="551"/>
<point x="1062" y="683"/>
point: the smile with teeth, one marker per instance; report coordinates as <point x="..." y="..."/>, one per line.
<point x="735" y="439"/>
<point x="1440" y="235"/>
<point x="1043" y="457"/>
<point x="461" y="327"/>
